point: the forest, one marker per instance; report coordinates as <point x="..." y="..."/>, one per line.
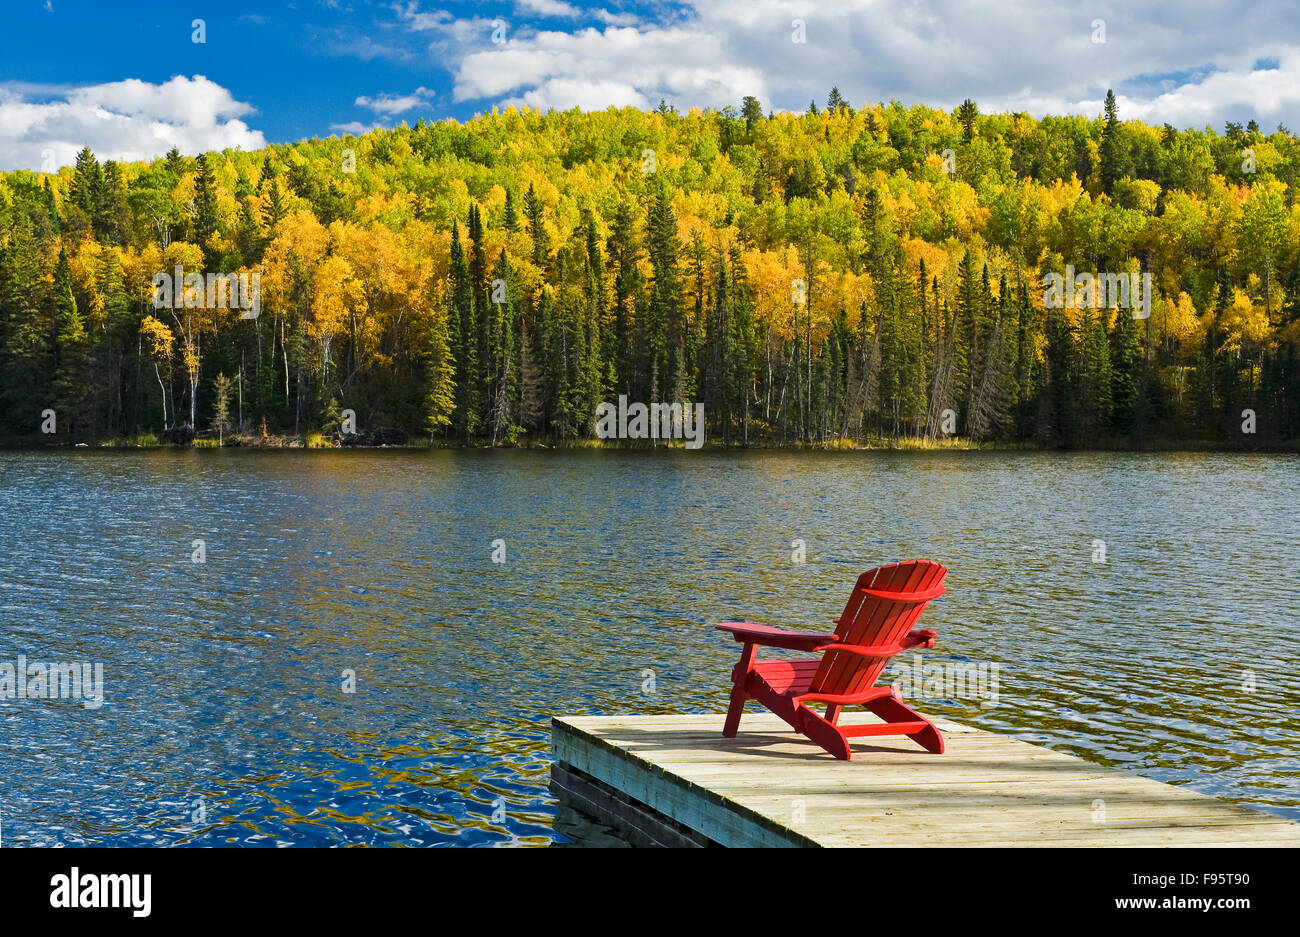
<point x="870" y="275"/>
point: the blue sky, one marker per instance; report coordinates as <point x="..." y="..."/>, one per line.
<point x="302" y="65"/>
<point x="128" y="79"/>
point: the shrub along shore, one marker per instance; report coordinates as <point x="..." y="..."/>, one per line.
<point x="314" y="441"/>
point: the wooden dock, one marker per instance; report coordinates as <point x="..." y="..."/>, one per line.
<point x="675" y="781"/>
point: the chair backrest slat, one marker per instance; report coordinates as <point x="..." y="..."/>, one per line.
<point x="875" y="621"/>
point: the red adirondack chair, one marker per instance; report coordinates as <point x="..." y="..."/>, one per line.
<point x="876" y="624"/>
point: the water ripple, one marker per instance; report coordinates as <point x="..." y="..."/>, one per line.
<point x="226" y="721"/>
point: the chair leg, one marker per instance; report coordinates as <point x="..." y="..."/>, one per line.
<point x="929" y="739"/>
<point x="892" y="709"/>
<point x="823" y="733"/>
<point x="739" y="680"/>
<point x="738" y="697"/>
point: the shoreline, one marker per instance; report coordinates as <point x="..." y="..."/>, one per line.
<point x="315" y="443"/>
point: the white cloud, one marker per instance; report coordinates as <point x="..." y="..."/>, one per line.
<point x="556" y="8"/>
<point x="1269" y="95"/>
<point x="616" y="19"/>
<point x="410" y="14"/>
<point x="356" y="127"/>
<point x="631" y="66"/>
<point x="562" y="93"/>
<point x="120" y="120"/>
<point x="396" y="104"/>
<point x="1034" y="55"/>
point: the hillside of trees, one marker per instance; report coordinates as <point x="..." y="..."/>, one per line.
<point x="843" y="275"/>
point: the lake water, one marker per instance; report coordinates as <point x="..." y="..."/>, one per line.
<point x="225" y="717"/>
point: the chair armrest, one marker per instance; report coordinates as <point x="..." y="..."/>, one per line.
<point x="766" y="635"/>
<point x="915" y="638"/>
<point x="874" y="651"/>
<point x="920" y="638"/>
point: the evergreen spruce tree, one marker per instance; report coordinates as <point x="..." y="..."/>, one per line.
<point x="965" y="364"/>
<point x="534" y="215"/>
<point x="511" y="216"/>
<point x="115" y="342"/>
<point x="597" y="380"/>
<point x="275" y="207"/>
<point x="51" y="206"/>
<point x="249" y="240"/>
<point x="440" y="377"/>
<point x="1125" y="364"/>
<point x="505" y="386"/>
<point x="28" y="331"/>
<point x="486" y="370"/>
<point x="1093" y="377"/>
<point x="966" y="116"/>
<point x="623" y="250"/>
<point x="176" y="164"/>
<point x="719" y="336"/>
<point x="72" y="351"/>
<point x="1056" y="412"/>
<point x="110" y="208"/>
<point x="462" y="333"/>
<point x="87" y="184"/>
<point x="204" y="222"/>
<point x="740" y="348"/>
<point x="555" y="366"/>
<point x="1110" y="143"/>
<point x="665" y="320"/>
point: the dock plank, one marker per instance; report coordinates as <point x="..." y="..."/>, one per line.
<point x="769" y="786"/>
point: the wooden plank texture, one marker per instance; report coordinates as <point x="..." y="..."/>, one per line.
<point x="770" y="787"/>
